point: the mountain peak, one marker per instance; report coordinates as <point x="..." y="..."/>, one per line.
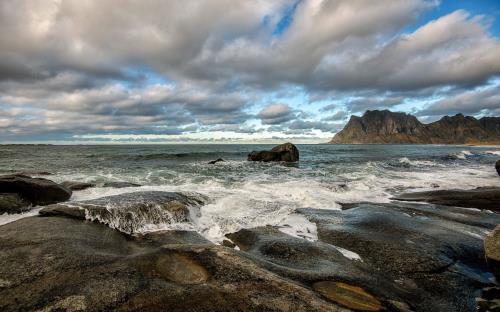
<point x="384" y="126"/>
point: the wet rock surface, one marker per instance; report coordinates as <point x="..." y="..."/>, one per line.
<point x="94" y="268"/>
<point x="492" y="250"/>
<point x="37" y="191"/>
<point x="13" y="203"/>
<point x="129" y="212"/>
<point x="412" y="257"/>
<point x="497" y="166"/>
<point x="480" y="198"/>
<point x="285" y="152"/>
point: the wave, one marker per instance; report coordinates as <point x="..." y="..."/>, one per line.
<point x="462" y="155"/>
<point x="493" y="153"/>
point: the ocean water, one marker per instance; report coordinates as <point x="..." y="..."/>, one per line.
<point x="243" y="194"/>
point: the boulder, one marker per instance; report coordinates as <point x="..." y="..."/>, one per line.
<point x="130" y="212"/>
<point x="37" y="191"/>
<point x="492" y="250"/>
<point x="77" y="186"/>
<point x="480" y="198"/>
<point x="285" y="152"/>
<point x="497" y="166"/>
<point x="13" y="203"/>
<point x="62" y="264"/>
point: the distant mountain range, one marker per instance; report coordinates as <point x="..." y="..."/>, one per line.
<point x="386" y="127"/>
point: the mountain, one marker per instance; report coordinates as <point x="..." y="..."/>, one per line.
<point x="386" y="127"/>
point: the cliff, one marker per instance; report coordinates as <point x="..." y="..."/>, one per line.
<point x="385" y="127"/>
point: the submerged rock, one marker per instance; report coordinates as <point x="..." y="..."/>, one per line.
<point x="285" y="152"/>
<point x="480" y="198"/>
<point x="130" y="212"/>
<point x="13" y="203"/>
<point x="213" y="162"/>
<point x="120" y="184"/>
<point x="492" y="250"/>
<point x="37" y="191"/>
<point x="77" y="186"/>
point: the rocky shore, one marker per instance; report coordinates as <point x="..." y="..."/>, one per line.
<point x="424" y="252"/>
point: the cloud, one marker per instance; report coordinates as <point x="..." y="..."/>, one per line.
<point x="362" y="104"/>
<point x="275" y="114"/>
<point x="75" y="67"/>
<point x="340" y="115"/>
<point x="480" y="100"/>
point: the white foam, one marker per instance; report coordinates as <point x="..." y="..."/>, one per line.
<point x="298" y="225"/>
<point x="493" y="152"/>
<point x="461" y="155"/>
<point x="8" y="218"/>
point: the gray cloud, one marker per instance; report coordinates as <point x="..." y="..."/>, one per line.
<point x="468" y="102"/>
<point x="276" y="114"/>
<point x="169" y="66"/>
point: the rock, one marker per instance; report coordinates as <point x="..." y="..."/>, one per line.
<point x="492" y="250"/>
<point x="13" y="203"/>
<point x="36" y="173"/>
<point x="386" y="127"/>
<point x="480" y="198"/>
<point x="213" y="162"/>
<point x="129" y="212"/>
<point x="37" y="191"/>
<point x="285" y="152"/>
<point x="411" y="257"/>
<point x="347" y="295"/>
<point x="77" y="186"/>
<point x="62" y="264"/>
<point x="430" y="259"/>
<point x="120" y="184"/>
<point x="497" y="166"/>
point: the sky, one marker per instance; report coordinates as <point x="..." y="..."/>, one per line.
<point x="225" y="71"/>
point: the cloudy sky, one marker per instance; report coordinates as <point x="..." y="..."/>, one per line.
<point x="238" y="71"/>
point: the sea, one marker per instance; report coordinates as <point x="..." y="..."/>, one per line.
<point x="244" y="194"/>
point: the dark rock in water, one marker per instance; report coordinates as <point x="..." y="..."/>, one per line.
<point x="62" y="264"/>
<point x="497" y="166"/>
<point x="13" y="203"/>
<point x="35" y="173"/>
<point x="492" y="250"/>
<point x="215" y="161"/>
<point x="284" y="152"/>
<point x="129" y="212"/>
<point x="77" y="186"/>
<point x="480" y="198"/>
<point x="120" y="184"/>
<point x="37" y="191"/>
